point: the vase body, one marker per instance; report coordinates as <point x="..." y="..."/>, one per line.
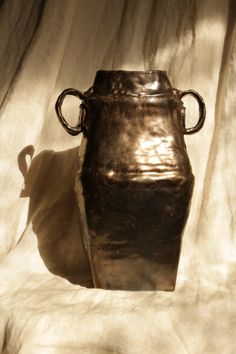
<point x="134" y="182"/>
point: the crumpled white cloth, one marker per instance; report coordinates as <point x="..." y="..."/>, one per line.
<point x="47" y="304"/>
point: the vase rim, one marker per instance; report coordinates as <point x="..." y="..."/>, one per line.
<point x="133" y="71"/>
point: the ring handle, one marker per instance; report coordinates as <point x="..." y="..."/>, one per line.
<point x="72" y="92"/>
<point x="202" y="111"/>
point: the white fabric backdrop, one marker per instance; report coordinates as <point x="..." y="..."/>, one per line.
<point x="47" y="304"/>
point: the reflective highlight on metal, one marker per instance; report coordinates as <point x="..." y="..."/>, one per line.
<point x="134" y="182"/>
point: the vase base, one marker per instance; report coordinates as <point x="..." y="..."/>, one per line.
<point x="134" y="274"/>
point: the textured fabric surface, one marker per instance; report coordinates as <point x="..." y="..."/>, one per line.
<point x="47" y="304"/>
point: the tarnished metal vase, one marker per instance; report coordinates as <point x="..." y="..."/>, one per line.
<point x="134" y="182"/>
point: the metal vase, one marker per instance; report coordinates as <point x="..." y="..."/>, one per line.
<point x="134" y="182"/>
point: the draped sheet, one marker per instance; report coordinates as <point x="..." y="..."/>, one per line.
<point x="47" y="303"/>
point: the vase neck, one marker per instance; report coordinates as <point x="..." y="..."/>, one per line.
<point x="121" y="82"/>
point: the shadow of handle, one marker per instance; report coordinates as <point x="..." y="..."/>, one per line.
<point x="23" y="166"/>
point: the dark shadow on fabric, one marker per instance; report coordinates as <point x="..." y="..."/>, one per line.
<point x="53" y="212"/>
